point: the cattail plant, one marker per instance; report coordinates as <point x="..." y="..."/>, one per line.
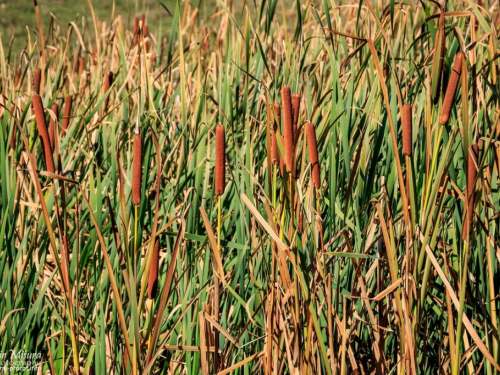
<point x="407" y="130"/>
<point x="153" y="271"/>
<point x="220" y="156"/>
<point x="42" y="130"/>
<point x="313" y="154"/>
<point x="451" y="89"/>
<point x="472" y="165"/>
<point x="67" y="111"/>
<point x="437" y="64"/>
<point x="287" y="127"/>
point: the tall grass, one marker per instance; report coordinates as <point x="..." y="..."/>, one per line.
<point x="374" y="251"/>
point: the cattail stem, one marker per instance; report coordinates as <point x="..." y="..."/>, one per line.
<point x="451" y="89"/>
<point x="220" y="157"/>
<point x="407" y="129"/>
<point x="287" y="127"/>
<point x="313" y="154"/>
<point x="43" y="132"/>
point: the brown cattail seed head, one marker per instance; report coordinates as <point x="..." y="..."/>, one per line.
<point x="53" y="125"/>
<point x="67" y="111"/>
<point x="153" y="271"/>
<point x="471" y="179"/>
<point x="407" y="129"/>
<point x="137" y="170"/>
<point x="287" y="127"/>
<point x="451" y="89"/>
<point x="108" y="81"/>
<point x="220" y="158"/>
<point x="295" y="111"/>
<point x="42" y="130"/>
<point x="18" y="76"/>
<point x="313" y="154"/>
<point x="37" y="79"/>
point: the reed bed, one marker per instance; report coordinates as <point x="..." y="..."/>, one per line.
<point x="167" y="241"/>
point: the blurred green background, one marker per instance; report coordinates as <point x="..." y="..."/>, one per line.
<point x="18" y="15"/>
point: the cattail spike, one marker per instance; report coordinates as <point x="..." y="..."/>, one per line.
<point x="287" y="127"/>
<point x="42" y="130"/>
<point x="67" y="111"/>
<point x="407" y="129"/>
<point x="137" y="169"/>
<point x="153" y="271"/>
<point x="37" y="79"/>
<point x="53" y="125"/>
<point x="451" y="89"/>
<point x="220" y="158"/>
<point x="313" y="154"/>
<point x="472" y="165"/>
